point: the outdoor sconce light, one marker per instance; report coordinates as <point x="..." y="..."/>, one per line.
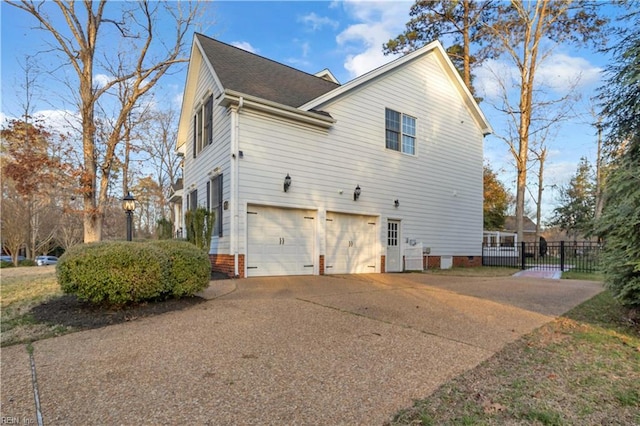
<point x="287" y="182"/>
<point x="356" y="193"/>
<point x="129" y="205"/>
<point x="396" y="203"/>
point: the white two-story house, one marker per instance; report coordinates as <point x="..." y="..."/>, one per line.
<point x="308" y="176"/>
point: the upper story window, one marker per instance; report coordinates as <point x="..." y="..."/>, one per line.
<point x="214" y="203"/>
<point x="192" y="200"/>
<point x="203" y="126"/>
<point x="400" y="132"/>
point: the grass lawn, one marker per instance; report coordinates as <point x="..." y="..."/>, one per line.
<point x="581" y="369"/>
<point x="480" y="271"/>
<point x="34" y="307"/>
<point x="22" y="289"/>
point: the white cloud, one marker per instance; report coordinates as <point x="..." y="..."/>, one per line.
<point x="245" y="45"/>
<point x="315" y="22"/>
<point x="177" y="100"/>
<point x="60" y="120"/>
<point x="559" y="72"/>
<point x="101" y="80"/>
<point x="376" y="23"/>
<point x="562" y="71"/>
<point x="490" y="77"/>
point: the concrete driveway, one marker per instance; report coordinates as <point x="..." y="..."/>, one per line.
<point x="284" y="350"/>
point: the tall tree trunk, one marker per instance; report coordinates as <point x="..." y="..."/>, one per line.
<point x="541" y="159"/>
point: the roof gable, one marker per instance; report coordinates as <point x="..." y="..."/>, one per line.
<point x="432" y="48"/>
<point x="251" y="74"/>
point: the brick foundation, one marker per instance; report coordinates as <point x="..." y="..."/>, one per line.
<point x="467" y="261"/>
<point x="433" y="262"/>
<point x="224" y="264"/>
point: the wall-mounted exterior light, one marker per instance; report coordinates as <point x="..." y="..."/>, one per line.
<point x="356" y="193"/>
<point x="287" y="182"/>
<point x="396" y="203"/>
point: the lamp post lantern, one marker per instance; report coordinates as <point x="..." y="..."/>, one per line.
<point x="129" y="205"/>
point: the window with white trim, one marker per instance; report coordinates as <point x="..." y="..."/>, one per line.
<point x="203" y="126"/>
<point x="192" y="201"/>
<point x="214" y="187"/>
<point x="400" y="132"/>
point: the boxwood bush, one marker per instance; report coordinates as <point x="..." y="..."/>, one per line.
<point x="189" y="267"/>
<point x="117" y="273"/>
<point x="114" y="273"/>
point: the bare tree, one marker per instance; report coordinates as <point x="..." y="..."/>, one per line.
<point x="159" y="139"/>
<point x="526" y="32"/>
<point x="141" y="60"/>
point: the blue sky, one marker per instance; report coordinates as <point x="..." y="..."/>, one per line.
<point x="347" y="38"/>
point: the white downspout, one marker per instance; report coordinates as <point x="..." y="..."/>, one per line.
<point x="235" y="185"/>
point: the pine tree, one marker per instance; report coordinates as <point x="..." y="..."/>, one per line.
<point x="619" y="225"/>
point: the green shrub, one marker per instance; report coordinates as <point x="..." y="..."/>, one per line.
<point x="189" y="267"/>
<point x="4" y="264"/>
<point x="199" y="223"/>
<point x="164" y="229"/>
<point x="117" y="273"/>
<point x="114" y="273"/>
<point x="27" y="262"/>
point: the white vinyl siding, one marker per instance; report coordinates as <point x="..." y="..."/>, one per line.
<point x="214" y="158"/>
<point x="439" y="188"/>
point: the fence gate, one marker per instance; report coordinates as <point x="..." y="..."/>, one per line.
<point x="578" y="256"/>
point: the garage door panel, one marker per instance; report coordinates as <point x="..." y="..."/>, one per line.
<point x="280" y="241"/>
<point x="350" y="244"/>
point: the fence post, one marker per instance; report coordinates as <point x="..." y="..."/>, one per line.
<point x="561" y="256"/>
<point x="523" y="265"/>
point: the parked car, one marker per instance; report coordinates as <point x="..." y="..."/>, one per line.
<point x="7" y="258"/>
<point x="46" y="260"/>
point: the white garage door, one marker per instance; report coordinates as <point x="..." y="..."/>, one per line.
<point x="351" y="244"/>
<point x="280" y="241"/>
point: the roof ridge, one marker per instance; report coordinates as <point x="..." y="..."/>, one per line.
<point x="265" y="58"/>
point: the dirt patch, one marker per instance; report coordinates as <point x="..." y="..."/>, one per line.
<point x="73" y="313"/>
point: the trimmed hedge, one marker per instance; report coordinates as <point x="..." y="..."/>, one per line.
<point x="117" y="273"/>
<point x="189" y="267"/>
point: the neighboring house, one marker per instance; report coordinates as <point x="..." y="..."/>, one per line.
<point x="307" y="176"/>
<point x="175" y="201"/>
<point x="529" y="228"/>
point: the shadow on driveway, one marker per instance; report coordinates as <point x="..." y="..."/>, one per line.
<point x="283" y="350"/>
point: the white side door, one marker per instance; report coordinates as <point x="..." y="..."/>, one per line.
<point x="394" y="254"/>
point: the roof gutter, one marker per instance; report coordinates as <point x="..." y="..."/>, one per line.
<point x="242" y="100"/>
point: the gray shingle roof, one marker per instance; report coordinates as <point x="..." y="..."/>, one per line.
<point x="255" y="75"/>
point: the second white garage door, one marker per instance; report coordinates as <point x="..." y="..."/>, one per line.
<point x="351" y="244"/>
<point x="280" y="241"/>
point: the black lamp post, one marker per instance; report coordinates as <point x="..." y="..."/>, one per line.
<point x="129" y="205"/>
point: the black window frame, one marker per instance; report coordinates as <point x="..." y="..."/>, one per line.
<point x="215" y="202"/>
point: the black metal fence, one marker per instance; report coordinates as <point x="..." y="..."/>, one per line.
<point x="579" y="256"/>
